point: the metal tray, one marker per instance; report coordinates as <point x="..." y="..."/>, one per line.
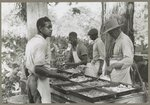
<point x="78" y="93"/>
<point x="72" y="72"/>
<point x="92" y="83"/>
<point x="69" y="73"/>
<point x="54" y="81"/>
<point x="125" y="92"/>
<point x="61" y="87"/>
<point x="78" y="76"/>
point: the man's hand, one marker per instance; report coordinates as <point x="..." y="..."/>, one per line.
<point x="93" y="62"/>
<point x="109" y="69"/>
<point x="99" y="73"/>
<point x="64" y="78"/>
<point x="61" y="77"/>
<point x="70" y="65"/>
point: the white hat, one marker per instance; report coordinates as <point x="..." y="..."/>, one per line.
<point x="111" y="24"/>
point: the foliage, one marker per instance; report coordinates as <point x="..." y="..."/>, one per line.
<point x="22" y="13"/>
<point x="62" y="43"/>
<point x="13" y="49"/>
<point x="80" y="22"/>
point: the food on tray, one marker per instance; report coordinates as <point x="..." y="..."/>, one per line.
<point x="65" y="74"/>
<point x="73" y="70"/>
<point x="120" y="88"/>
<point x="93" y="93"/>
<point x="80" y="79"/>
<point x="96" y="83"/>
<point x="72" y="87"/>
<point x="57" y="81"/>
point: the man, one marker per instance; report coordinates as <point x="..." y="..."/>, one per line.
<point x="123" y="53"/>
<point x="36" y="50"/>
<point x="78" y="52"/>
<point x="98" y="53"/>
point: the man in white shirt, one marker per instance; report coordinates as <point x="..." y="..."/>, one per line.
<point x="98" y="53"/>
<point x="38" y="87"/>
<point x="123" y="53"/>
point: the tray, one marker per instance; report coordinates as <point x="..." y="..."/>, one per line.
<point x="73" y="71"/>
<point x="68" y="73"/>
<point x="83" y="94"/>
<point x="122" y="89"/>
<point x="66" y="88"/>
<point x="80" y="78"/>
<point x="98" y="83"/>
<point x="58" y="81"/>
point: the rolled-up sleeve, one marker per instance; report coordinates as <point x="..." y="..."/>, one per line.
<point x="101" y="50"/>
<point x="128" y="53"/>
<point x="83" y="50"/>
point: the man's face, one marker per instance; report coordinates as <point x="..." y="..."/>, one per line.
<point x="92" y="37"/>
<point x="114" y="33"/>
<point x="47" y="29"/>
<point x="73" y="40"/>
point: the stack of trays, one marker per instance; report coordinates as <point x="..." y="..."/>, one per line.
<point x="93" y="90"/>
<point x="92" y="94"/>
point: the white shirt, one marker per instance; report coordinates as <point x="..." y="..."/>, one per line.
<point x="124" y="52"/>
<point x="124" y="49"/>
<point x="98" y="50"/>
<point x="35" y="53"/>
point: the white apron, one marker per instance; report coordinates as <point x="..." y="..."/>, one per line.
<point x="75" y="57"/>
<point x="122" y="75"/>
<point x="44" y="90"/>
<point x="92" y="69"/>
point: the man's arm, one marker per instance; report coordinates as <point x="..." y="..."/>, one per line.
<point x="100" y="67"/>
<point x="127" y="60"/>
<point x="39" y="61"/>
<point x="40" y="70"/>
<point x="83" y="57"/>
<point x="101" y="50"/>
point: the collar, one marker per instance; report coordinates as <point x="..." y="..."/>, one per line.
<point x="119" y="37"/>
<point x="39" y="36"/>
<point x="96" y="40"/>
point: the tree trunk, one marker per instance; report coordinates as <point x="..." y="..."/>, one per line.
<point x="128" y="27"/>
<point x="35" y="10"/>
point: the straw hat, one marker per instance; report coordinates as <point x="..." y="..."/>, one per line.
<point x="111" y="24"/>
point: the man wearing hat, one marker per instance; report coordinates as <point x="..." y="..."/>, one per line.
<point x="98" y="54"/>
<point x="123" y="53"/>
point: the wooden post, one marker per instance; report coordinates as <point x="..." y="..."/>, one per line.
<point x="35" y="10"/>
<point x="129" y="20"/>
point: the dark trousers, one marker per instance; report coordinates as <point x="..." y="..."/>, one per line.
<point x="33" y="93"/>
